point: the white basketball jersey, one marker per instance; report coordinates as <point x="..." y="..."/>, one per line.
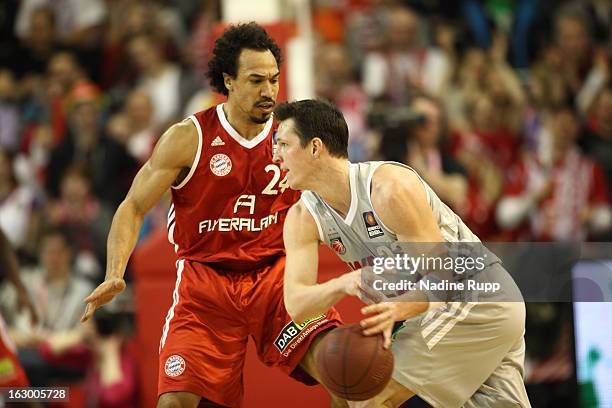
<point x="355" y="236"/>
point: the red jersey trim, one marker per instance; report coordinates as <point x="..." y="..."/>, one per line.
<point x="175" y="300"/>
<point x="249" y="144"/>
<point x="194" y="165"/>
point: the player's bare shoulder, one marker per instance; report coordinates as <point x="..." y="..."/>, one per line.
<point x="397" y="192"/>
<point x="177" y="147"/>
<point x="399" y="198"/>
<point x="393" y="184"/>
<point x="300" y="225"/>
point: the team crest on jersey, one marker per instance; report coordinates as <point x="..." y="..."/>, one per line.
<point x="175" y="366"/>
<point x="374" y="230"/>
<point x="337" y="245"/>
<point x="220" y="165"/>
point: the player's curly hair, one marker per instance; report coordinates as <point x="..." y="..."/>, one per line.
<point x="228" y="47"/>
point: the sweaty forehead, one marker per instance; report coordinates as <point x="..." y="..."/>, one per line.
<point x="257" y="62"/>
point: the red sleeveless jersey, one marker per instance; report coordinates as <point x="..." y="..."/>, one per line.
<point x="231" y="207"/>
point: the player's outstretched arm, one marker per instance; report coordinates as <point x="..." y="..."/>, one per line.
<point x="399" y="199"/>
<point x="172" y="156"/>
<point x="304" y="298"/>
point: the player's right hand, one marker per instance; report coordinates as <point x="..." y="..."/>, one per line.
<point x="102" y="295"/>
<point x="358" y="283"/>
<point x="351" y="283"/>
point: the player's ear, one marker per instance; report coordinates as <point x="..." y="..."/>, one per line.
<point x="317" y="147"/>
<point x="227" y="80"/>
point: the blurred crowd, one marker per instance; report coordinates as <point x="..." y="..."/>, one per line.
<point x="503" y="106"/>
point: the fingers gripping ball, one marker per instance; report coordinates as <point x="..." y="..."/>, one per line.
<point x="353" y="366"/>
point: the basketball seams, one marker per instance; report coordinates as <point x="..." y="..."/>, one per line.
<point x="345" y="350"/>
<point x="373" y="357"/>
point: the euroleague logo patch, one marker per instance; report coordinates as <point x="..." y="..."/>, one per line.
<point x="220" y="165"/>
<point x="374" y="230"/>
<point x="175" y="366"/>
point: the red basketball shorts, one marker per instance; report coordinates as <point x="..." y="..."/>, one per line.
<point x="11" y="372"/>
<point x="203" y="344"/>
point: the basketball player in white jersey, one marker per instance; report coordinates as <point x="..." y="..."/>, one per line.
<point x="451" y="354"/>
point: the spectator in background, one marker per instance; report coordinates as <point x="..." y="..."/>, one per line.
<point x="201" y="41"/>
<point x="485" y="149"/>
<point x="85" y="144"/>
<point x="560" y="194"/>
<point x="56" y="289"/>
<point x="9" y="111"/>
<point x="19" y="218"/>
<point x="101" y="349"/>
<point x="505" y="88"/>
<point x="111" y="376"/>
<point x="514" y="19"/>
<point x="403" y="66"/>
<point x="584" y="68"/>
<point x="84" y="217"/>
<point x="11" y="277"/>
<point x="79" y="25"/>
<point x="365" y="29"/>
<point x="336" y="82"/>
<point x="546" y="88"/>
<point x="11" y="372"/>
<point x="38" y="43"/>
<point x="168" y="87"/>
<point x="479" y="73"/>
<point x="127" y="19"/>
<point x="488" y="102"/>
<point x="597" y="141"/>
<point x="197" y="51"/>
<point x="466" y="83"/>
<point x="36" y="148"/>
<point x="425" y="154"/>
<point x="58" y="295"/>
<point x="64" y="73"/>
<point x="134" y="127"/>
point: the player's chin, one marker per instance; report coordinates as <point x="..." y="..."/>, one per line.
<point x="261" y="117"/>
<point x="291" y="181"/>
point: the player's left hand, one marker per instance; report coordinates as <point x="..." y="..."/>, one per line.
<point x="386" y="314"/>
<point x="358" y="283"/>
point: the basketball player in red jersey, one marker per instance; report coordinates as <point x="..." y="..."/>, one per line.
<point x="11" y="372"/>
<point x="229" y="202"/>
